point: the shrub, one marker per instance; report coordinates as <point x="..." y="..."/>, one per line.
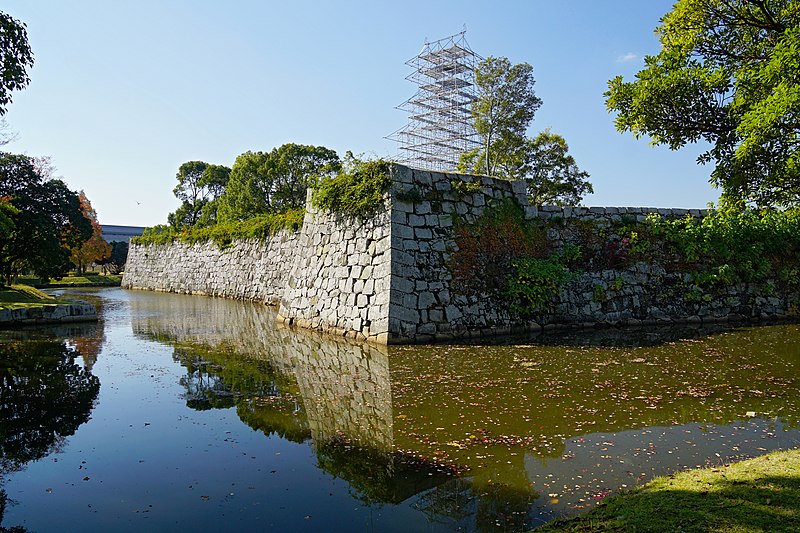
<point x="356" y="192"/>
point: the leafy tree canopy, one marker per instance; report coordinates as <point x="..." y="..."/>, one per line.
<point x="505" y="107"/>
<point x="551" y="174"/>
<point x="269" y="182"/>
<point x="116" y="260"/>
<point x="199" y="186"/>
<point x="49" y="222"/>
<point x="95" y="248"/>
<point x="728" y="73"/>
<point x="15" y="58"/>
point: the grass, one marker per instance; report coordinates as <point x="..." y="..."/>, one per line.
<point x="761" y="494"/>
<point x="88" y="279"/>
<point x="19" y="296"/>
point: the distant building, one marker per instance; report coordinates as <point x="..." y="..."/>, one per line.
<point x="120" y="233"/>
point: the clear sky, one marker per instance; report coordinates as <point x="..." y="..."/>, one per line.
<point x="123" y="92"/>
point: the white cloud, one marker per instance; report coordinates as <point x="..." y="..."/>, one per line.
<point x="627" y="58"/>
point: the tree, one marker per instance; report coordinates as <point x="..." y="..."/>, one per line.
<point x="728" y="73"/>
<point x="199" y="186"/>
<point x="505" y="106"/>
<point x="504" y="109"/>
<point x="115" y="262"/>
<point x="7" y="215"/>
<point x="94" y="248"/>
<point x="268" y="182"/>
<point x="15" y="58"/>
<point x="551" y="174"/>
<point x="49" y="222"/>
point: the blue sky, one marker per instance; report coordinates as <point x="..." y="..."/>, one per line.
<point x="122" y="93"/>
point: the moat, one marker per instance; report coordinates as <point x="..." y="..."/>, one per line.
<point x="187" y="412"/>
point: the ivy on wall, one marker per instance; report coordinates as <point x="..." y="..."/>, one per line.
<point x="223" y="234"/>
<point x="514" y="261"/>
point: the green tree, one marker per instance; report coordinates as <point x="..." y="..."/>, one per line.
<point x="15" y="58"/>
<point x="199" y="186"/>
<point x="550" y="173"/>
<point x="504" y="109"/>
<point x="269" y="182"/>
<point x="728" y="74"/>
<point x="7" y="215"/>
<point x="49" y="223"/>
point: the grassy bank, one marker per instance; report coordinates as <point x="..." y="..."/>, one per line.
<point x="87" y="280"/>
<point x="761" y="494"/>
<point x="19" y="296"/>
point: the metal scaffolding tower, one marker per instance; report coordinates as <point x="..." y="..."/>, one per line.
<point x="440" y="125"/>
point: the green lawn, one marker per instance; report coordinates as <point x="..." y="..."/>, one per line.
<point x="89" y="279"/>
<point x="17" y="296"/>
<point x="761" y="494"/>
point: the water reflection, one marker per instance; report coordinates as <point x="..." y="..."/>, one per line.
<point x="534" y="430"/>
<point x="44" y="397"/>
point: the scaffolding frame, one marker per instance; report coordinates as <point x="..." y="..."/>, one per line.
<point x="440" y="125"/>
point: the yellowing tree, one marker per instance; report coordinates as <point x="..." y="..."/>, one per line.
<point x="95" y="248"/>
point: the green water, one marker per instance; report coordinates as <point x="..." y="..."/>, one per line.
<point x="192" y="412"/>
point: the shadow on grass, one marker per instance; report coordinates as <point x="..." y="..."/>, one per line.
<point x="749" y="496"/>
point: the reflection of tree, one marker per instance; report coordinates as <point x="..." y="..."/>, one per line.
<point x="264" y="399"/>
<point x="379" y="477"/>
<point x="89" y="347"/>
<point x="492" y="506"/>
<point x="44" y="397"/>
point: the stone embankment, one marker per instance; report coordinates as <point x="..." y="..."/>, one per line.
<point x="48" y="314"/>
<point x="389" y="279"/>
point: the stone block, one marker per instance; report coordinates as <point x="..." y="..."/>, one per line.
<point x="404" y="207"/>
<point x="423" y="233"/>
<point x="416" y="220"/>
<point x="426" y="300"/>
<point x="422" y="208"/>
<point x="410" y="301"/>
<point x="453" y="313"/>
<point x="366" y="273"/>
<point x="402" y="284"/>
<point x="402" y="232"/>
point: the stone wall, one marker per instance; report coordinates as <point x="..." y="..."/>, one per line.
<point x="48" y="314"/>
<point x="340" y="273"/>
<point x="389" y="279"/>
<point x="425" y="303"/>
<point x="246" y="270"/>
<point x="332" y="275"/>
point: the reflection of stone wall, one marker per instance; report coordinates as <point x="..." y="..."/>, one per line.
<point x="345" y="387"/>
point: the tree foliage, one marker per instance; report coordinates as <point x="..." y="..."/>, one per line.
<point x="49" y="222"/>
<point x="270" y="182"/>
<point x="505" y="107"/>
<point x="551" y="174"/>
<point x="199" y="186"/>
<point x="95" y="248"/>
<point x="115" y="262"/>
<point x="15" y="58"/>
<point x="728" y="74"/>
